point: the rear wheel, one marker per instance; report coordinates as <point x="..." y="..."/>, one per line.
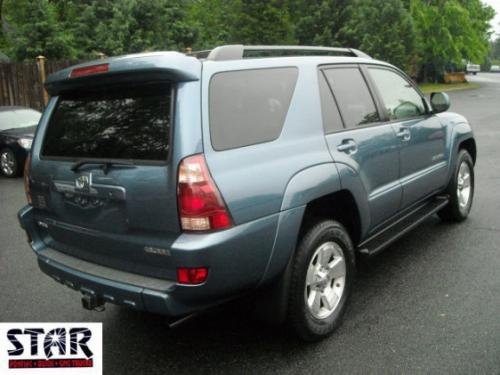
<point x="8" y="163"/>
<point x="322" y="277"/>
<point x="460" y="189"/>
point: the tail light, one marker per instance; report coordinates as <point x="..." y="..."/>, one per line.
<point x="26" y="176"/>
<point x="192" y="276"/>
<point x="201" y="207"/>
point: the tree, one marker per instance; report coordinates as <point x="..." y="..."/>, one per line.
<point x="35" y="30"/>
<point x="383" y="30"/>
<point x="214" y="22"/>
<point x="495" y="49"/>
<point x="318" y="22"/>
<point x="116" y="27"/>
<point x="429" y="34"/>
<point x="262" y="22"/>
<point x="448" y="32"/>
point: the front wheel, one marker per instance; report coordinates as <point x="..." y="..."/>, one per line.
<point x="322" y="277"/>
<point x="460" y="189"/>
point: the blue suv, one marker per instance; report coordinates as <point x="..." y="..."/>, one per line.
<point x="170" y="183"/>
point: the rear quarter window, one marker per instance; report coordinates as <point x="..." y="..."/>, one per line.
<point x="247" y="107"/>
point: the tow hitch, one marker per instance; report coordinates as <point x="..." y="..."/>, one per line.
<point x="92" y="302"/>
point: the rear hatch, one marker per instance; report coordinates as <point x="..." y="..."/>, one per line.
<point x="104" y="171"/>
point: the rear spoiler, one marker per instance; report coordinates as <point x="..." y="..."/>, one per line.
<point x="168" y="66"/>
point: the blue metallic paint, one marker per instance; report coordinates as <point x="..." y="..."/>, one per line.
<point x="266" y="186"/>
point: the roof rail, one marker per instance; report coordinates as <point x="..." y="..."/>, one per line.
<point x="240" y="51"/>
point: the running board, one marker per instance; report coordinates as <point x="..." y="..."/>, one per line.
<point x="398" y="229"/>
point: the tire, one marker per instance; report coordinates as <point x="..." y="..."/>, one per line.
<point x="9" y="165"/>
<point x="326" y="243"/>
<point x="460" y="198"/>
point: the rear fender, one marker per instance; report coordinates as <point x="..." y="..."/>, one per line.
<point x="303" y="187"/>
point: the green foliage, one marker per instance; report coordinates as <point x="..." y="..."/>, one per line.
<point x="262" y="22"/>
<point x="126" y="26"/>
<point x="318" y="22"/>
<point x="81" y="29"/>
<point x="424" y="36"/>
<point x="37" y="30"/>
<point x="384" y="30"/>
<point x="495" y="49"/>
<point x="213" y="21"/>
<point x="449" y="32"/>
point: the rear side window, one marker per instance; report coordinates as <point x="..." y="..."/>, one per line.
<point x="400" y="99"/>
<point x="123" y="123"/>
<point x="249" y="106"/>
<point x="352" y="95"/>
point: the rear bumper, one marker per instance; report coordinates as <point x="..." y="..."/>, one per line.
<point x="110" y="285"/>
<point x="237" y="259"/>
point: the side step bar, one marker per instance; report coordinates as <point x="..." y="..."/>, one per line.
<point x="415" y="217"/>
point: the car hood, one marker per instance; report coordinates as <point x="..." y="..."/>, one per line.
<point x="27" y="132"/>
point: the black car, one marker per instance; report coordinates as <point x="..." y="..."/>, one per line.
<point x="17" y="128"/>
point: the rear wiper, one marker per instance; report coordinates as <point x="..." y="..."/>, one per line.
<point x="105" y="165"/>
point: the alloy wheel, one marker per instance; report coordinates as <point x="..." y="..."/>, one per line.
<point x="325" y="280"/>
<point x="463" y="185"/>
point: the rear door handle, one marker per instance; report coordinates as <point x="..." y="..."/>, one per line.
<point x="404" y="133"/>
<point x="348" y="146"/>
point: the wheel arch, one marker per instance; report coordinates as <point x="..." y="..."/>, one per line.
<point x="469" y="145"/>
<point x="340" y="206"/>
<point x="312" y="194"/>
<point x="315" y="192"/>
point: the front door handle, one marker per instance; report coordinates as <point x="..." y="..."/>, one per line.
<point x="404" y="133"/>
<point x="348" y="146"/>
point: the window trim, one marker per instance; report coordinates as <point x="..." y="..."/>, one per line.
<point x="143" y="162"/>
<point x="378" y="108"/>
<point x="322" y="76"/>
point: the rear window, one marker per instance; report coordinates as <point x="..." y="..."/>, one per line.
<point x="249" y="106"/>
<point x="121" y="123"/>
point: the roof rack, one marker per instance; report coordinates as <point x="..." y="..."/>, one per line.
<point x="239" y="51"/>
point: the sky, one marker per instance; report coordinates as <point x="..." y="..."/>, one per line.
<point x="495" y="23"/>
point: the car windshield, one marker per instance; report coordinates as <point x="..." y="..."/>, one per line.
<point x="18" y="118"/>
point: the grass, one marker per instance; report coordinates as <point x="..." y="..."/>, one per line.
<point x="435" y="87"/>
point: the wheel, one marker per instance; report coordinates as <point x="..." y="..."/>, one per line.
<point x="460" y="189"/>
<point x="8" y="163"/>
<point x="322" y="277"/>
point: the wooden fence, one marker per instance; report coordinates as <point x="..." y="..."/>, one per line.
<point x="22" y="83"/>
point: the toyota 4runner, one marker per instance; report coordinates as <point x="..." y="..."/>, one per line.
<point x="170" y="183"/>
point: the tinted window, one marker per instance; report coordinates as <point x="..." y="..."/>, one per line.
<point x="126" y="123"/>
<point x="400" y="99"/>
<point x="352" y="95"/>
<point x="331" y="116"/>
<point x="249" y="106"/>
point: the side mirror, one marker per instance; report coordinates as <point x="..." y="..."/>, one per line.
<point x="440" y="102"/>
